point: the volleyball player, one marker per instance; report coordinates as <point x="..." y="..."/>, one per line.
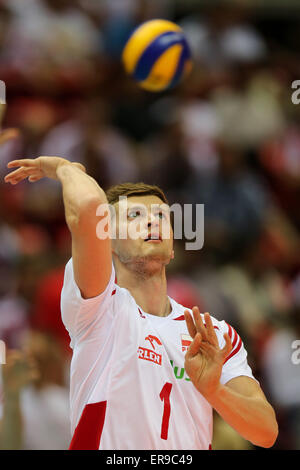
<point x="146" y="372"/>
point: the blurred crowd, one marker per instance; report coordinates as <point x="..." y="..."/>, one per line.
<point x="228" y="137"/>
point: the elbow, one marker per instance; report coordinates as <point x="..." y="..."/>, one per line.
<point x="268" y="442"/>
<point x="269" y="438"/>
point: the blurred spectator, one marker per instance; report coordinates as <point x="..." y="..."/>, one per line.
<point x="235" y="201"/>
<point x="49" y="33"/>
<point x="185" y="292"/>
<point x="13" y="308"/>
<point x="35" y="397"/>
<point x="282" y="378"/>
<point x="258" y="290"/>
<point x="46" y="316"/>
<point x="17" y="373"/>
<point x="250" y="112"/>
<point x="224" y="36"/>
<point x="280" y="156"/>
<point x="89" y="138"/>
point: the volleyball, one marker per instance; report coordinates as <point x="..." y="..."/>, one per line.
<point x="157" y="55"/>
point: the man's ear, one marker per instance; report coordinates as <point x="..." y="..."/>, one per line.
<point x="172" y="254"/>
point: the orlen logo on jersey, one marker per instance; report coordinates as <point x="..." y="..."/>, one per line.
<point x="186" y="340"/>
<point x="148" y="354"/>
<point x="152" y="340"/>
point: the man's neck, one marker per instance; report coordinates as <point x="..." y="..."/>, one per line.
<point x="149" y="291"/>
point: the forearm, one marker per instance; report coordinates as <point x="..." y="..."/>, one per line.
<point x="80" y="191"/>
<point x="11" y="426"/>
<point x="252" y="417"/>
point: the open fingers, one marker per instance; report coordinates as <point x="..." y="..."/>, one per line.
<point x="27" y="162"/>
<point x="210" y="329"/>
<point x="195" y="324"/>
<point x="19" y="175"/>
<point x="194" y="346"/>
<point x="190" y="323"/>
<point x="199" y="323"/>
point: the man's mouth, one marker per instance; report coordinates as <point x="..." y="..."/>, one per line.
<point x="153" y="237"/>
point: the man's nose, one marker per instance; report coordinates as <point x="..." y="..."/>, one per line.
<point x="153" y="221"/>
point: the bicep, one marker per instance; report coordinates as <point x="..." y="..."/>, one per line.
<point x="92" y="256"/>
<point x="246" y="386"/>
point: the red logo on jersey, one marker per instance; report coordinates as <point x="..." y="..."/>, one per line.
<point x="186" y="340"/>
<point x="148" y="355"/>
<point x="151" y="339"/>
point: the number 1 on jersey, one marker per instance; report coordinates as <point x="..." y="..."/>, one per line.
<point x="165" y="397"/>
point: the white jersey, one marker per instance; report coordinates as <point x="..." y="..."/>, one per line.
<point x="128" y="388"/>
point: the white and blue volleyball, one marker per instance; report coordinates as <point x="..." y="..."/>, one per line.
<point x="157" y="55"/>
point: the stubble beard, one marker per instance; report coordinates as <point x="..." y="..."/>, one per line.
<point x="145" y="266"/>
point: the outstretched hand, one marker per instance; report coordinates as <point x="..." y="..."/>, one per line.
<point x="35" y="169"/>
<point x="204" y="359"/>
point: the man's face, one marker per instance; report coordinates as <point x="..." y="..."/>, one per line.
<point x="143" y="231"/>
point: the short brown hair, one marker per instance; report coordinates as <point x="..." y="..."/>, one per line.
<point x="134" y="189"/>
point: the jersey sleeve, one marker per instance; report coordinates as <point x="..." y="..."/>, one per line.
<point x="79" y="313"/>
<point x="236" y="363"/>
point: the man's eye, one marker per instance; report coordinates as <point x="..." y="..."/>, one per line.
<point x="134" y="214"/>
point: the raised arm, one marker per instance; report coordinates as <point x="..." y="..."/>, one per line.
<point x="92" y="258"/>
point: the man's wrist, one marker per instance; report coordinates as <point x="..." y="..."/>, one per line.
<point x="214" y="395"/>
<point x="62" y="166"/>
